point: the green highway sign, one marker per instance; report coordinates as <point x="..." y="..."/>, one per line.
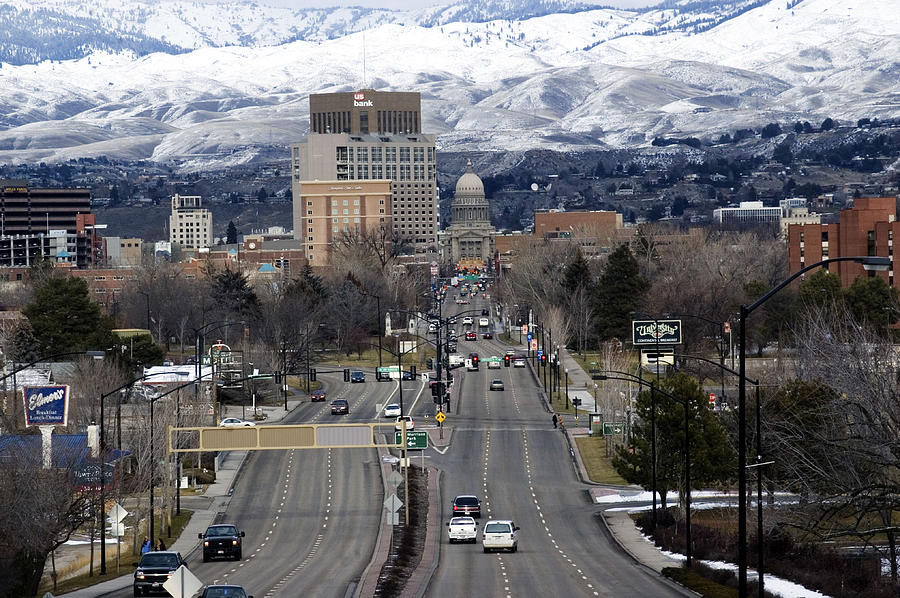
<point x="415" y="439"/>
<point x="610" y="428"/>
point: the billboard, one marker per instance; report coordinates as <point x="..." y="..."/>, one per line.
<point x="652" y="332"/>
<point x="46" y="405"/>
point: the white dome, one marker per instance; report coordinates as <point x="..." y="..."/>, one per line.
<point x="469" y="183"/>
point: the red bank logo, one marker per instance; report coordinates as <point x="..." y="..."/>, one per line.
<point x="359" y="96"/>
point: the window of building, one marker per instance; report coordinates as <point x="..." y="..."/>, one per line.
<point x="364" y="121"/>
<point x="418" y="154"/>
<point x="342" y="154"/>
<point x="377" y="171"/>
<point x="824" y="236"/>
<point x="404" y="172"/>
<point x="363" y="171"/>
<point x="390" y="154"/>
<point x="376" y="154"/>
<point x="404" y="154"/>
<point x="362" y="154"/>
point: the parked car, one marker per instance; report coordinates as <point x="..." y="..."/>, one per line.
<point x="392" y="410"/>
<point x="222" y="540"/>
<point x="410" y="424"/>
<point x="317" y="396"/>
<point x="235" y="422"/>
<point x="153" y="570"/>
<point x="220" y="591"/>
<point x="467" y="504"/>
<point x="500" y="535"/>
<point x="357" y="376"/>
<point x="340" y="407"/>
<point x="497" y="384"/>
<point x="462" y="529"/>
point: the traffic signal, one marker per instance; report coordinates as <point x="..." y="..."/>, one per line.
<point x="429" y="363"/>
<point x="412" y="371"/>
<point x="312" y="374"/>
<point x="346" y="375"/>
<point x="277" y="377"/>
<point x="544" y="359"/>
<point x="475" y="360"/>
<point x="506" y="361"/>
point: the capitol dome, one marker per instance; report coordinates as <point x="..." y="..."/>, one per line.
<point x="469" y="183"/>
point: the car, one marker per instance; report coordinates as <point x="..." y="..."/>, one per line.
<point x="235" y="422"/>
<point x="462" y="529"/>
<point x="484" y="322"/>
<point x="467" y="321"/>
<point x="357" y="376"/>
<point x="471" y="336"/>
<point x="518" y="362"/>
<point x="317" y="396"/>
<point x="487" y="335"/>
<point x="410" y="424"/>
<point x="511" y="352"/>
<point x="500" y="534"/>
<point x="223" y="591"/>
<point x="493" y="363"/>
<point x="452" y="347"/>
<point x="485" y="312"/>
<point x="392" y="410"/>
<point x="497" y="384"/>
<point x="340" y="407"/>
<point x="153" y="570"/>
<point x="467" y="504"/>
<point x="221" y="540"/>
<point x="432" y="327"/>
<point x="408" y="376"/>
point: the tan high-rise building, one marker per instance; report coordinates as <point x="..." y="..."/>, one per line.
<point x="360" y="136"/>
<point x="338" y="210"/>
<point x="190" y="224"/>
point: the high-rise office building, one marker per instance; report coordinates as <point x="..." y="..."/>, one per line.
<point x="190" y="224"/>
<point x="370" y="135"/>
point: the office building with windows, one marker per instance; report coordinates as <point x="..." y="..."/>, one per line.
<point x="190" y="224"/>
<point x="369" y="135"/>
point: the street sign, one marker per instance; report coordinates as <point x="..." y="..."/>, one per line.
<point x="117" y="513"/>
<point x="524" y="328"/>
<point x="610" y="428"/>
<point x="539" y="353"/>
<point x="528" y="336"/>
<point x="392" y="503"/>
<point x="440" y="417"/>
<point x="117" y="529"/>
<point x="534" y="344"/>
<point x="395" y="478"/>
<point x="415" y="439"/>
<point x="183" y="583"/>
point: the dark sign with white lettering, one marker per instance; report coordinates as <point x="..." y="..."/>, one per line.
<point x="653" y="332"/>
<point x="46" y="405"/>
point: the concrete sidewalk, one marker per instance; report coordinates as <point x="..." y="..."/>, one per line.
<point x="205" y="506"/>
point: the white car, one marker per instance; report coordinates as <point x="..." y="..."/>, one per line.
<point x="484" y="322"/>
<point x="392" y="410"/>
<point x="462" y="529"/>
<point x="494" y="363"/>
<point x="519" y="363"/>
<point x="234" y="422"/>
<point x="500" y="534"/>
<point x="410" y="424"/>
<point x="467" y="321"/>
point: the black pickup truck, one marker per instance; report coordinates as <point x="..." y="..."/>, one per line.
<point x="153" y="570"/>
<point x="222" y="540"/>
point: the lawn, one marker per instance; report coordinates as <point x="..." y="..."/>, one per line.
<point x="596" y="463"/>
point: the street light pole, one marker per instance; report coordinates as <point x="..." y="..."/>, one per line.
<point x="868" y="263"/>
<point x="567" y="389"/>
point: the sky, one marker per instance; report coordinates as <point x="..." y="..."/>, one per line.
<point x="409" y="4"/>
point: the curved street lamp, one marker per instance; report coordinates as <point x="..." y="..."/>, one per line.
<point x="628" y="377"/>
<point x="869" y="263"/>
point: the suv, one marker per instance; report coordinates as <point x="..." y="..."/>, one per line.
<point x="221" y="540"/>
<point x="467" y="504"/>
<point x="340" y="407"/>
<point x="154" y="569"/>
<point x="500" y="533"/>
<point x="357" y="376"/>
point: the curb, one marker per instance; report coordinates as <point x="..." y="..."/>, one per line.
<point x="421" y="577"/>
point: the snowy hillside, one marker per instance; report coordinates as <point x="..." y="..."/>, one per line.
<point x="562" y="80"/>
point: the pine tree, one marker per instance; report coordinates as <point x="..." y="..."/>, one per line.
<point x="619" y="292"/>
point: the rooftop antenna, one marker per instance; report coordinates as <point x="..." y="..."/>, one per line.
<point x="364" y="60"/>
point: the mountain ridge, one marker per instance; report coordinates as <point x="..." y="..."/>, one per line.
<point x="539" y="82"/>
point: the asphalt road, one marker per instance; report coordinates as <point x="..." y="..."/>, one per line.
<point x="505" y="450"/>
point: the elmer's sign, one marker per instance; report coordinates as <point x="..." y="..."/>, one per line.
<point x="46" y="405"/>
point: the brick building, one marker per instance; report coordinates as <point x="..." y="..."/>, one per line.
<point x="868" y="228"/>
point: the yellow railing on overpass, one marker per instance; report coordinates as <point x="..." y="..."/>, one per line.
<point x="279" y="437"/>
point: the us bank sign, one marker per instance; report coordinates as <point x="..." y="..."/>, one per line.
<point x="359" y="100"/>
<point x="46" y="405"/>
<point x="653" y="332"/>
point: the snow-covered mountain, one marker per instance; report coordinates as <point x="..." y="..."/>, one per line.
<point x="573" y="77"/>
